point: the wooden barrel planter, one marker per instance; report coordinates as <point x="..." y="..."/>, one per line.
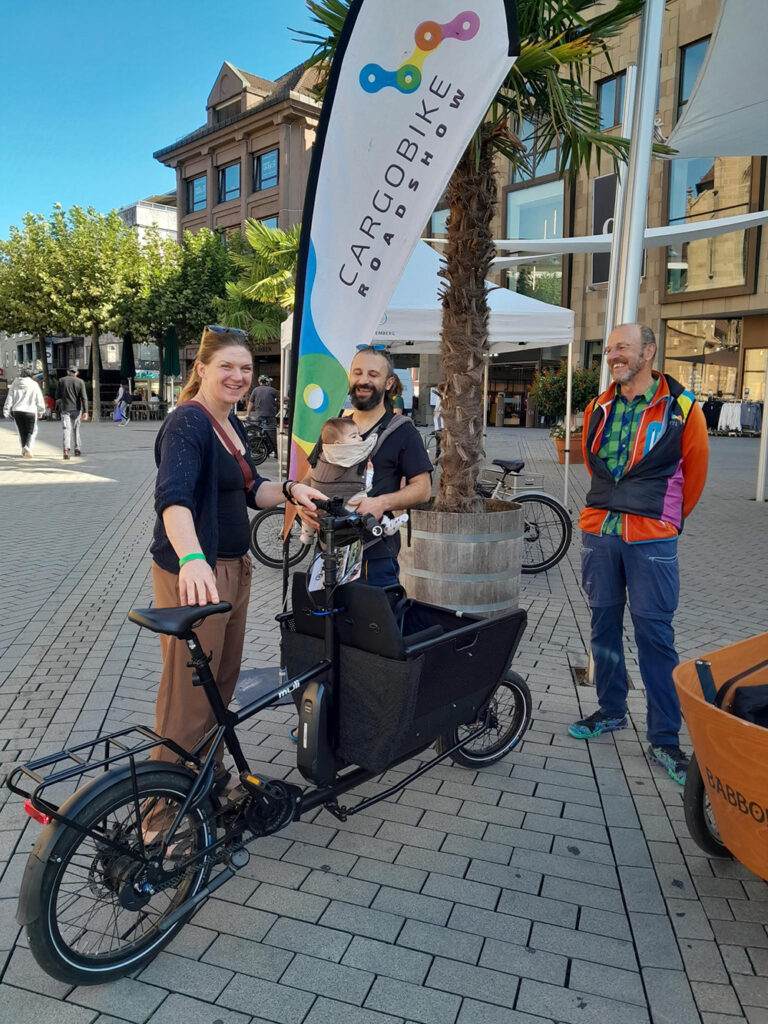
<point x="467" y="561"/>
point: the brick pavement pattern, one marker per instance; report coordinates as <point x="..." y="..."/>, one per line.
<point x="559" y="885"/>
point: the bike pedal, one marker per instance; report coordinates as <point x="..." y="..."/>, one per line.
<point x="252" y="784"/>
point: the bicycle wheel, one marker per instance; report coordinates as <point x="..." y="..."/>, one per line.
<point x="430" y="444"/>
<point x="698" y="814"/>
<point x="511" y="708"/>
<point x="259" y="451"/>
<point x="547" y="532"/>
<point x="95" y="923"/>
<point x="267" y="539"/>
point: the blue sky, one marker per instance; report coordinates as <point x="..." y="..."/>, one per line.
<point x="91" y="89"/>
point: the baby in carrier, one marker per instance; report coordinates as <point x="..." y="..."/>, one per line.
<point x="344" y="469"/>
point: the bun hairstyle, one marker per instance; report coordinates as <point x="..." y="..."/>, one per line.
<point x="210" y="344"/>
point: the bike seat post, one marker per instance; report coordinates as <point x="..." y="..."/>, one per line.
<point x="200" y="663"/>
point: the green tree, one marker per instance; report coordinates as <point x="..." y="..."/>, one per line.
<point x="548" y="89"/>
<point x="28" y="283"/>
<point x="97" y="261"/>
<point x="265" y="292"/>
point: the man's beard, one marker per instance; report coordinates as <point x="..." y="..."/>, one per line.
<point x="366" y="404"/>
<point x="631" y="371"/>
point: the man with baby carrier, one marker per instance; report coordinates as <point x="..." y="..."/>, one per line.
<point x="645" y="446"/>
<point x="400" y="464"/>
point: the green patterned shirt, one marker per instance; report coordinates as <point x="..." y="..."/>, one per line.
<point x="618" y="438"/>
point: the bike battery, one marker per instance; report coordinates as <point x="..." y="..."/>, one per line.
<point x="315" y="759"/>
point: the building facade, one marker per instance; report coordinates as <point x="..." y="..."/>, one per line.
<point x="156" y="211"/>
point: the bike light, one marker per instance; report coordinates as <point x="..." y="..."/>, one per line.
<point x="33" y="812"/>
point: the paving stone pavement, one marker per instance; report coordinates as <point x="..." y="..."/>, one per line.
<point x="559" y="885"/>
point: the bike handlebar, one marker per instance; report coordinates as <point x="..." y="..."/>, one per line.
<point x="335" y="507"/>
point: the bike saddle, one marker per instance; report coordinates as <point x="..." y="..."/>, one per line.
<point x="176" y="621"/>
<point x="510" y="465"/>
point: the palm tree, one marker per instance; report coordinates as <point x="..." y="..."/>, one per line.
<point x="265" y="292"/>
<point x="545" y="96"/>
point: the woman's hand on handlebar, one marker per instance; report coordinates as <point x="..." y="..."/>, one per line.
<point x="197" y="583"/>
<point x="306" y="497"/>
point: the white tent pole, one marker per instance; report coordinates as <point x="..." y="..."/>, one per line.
<point x="762" y="467"/>
<point x="636" y="180"/>
<point x="619" y="215"/>
<point x="568" y="404"/>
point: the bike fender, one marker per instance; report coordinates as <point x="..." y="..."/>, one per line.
<point x="29" y="908"/>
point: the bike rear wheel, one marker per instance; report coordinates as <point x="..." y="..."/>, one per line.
<point x="431" y="446"/>
<point x="547" y="532"/>
<point x="96" y="922"/>
<point x="267" y="539"/>
<point x="511" y="709"/>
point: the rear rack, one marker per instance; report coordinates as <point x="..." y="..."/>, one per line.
<point x="82" y="758"/>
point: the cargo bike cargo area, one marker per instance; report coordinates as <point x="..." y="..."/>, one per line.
<point x="377" y="679"/>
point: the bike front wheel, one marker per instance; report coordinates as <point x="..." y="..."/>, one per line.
<point x="698" y="814"/>
<point x="547" y="532"/>
<point x="98" y="921"/>
<point x="510" y="711"/>
<point x="267" y="539"/>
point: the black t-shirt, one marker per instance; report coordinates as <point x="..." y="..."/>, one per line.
<point x="234" y="533"/>
<point x="401" y="455"/>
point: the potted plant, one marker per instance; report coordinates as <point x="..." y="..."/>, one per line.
<point x="548" y="395"/>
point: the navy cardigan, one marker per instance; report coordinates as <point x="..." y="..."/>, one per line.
<point x="185" y="455"/>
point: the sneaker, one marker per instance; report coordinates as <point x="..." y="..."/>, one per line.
<point x="673" y="759"/>
<point x="66" y="453"/>
<point x="77" y="451"/>
<point x="595" y="724"/>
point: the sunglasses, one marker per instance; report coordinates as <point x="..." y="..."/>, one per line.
<point x="371" y="348"/>
<point x="219" y="329"/>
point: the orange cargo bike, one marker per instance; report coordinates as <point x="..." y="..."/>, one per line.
<point x="726" y="792"/>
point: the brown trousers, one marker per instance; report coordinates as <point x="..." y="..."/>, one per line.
<point x="183" y="713"/>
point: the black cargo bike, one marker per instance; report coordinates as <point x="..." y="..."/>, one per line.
<point x="377" y="679"/>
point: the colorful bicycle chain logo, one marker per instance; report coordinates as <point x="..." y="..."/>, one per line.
<point x="428" y="37"/>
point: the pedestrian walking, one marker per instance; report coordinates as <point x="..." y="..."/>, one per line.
<point x="205" y="483"/>
<point x="121" y="402"/>
<point x="263" y="406"/>
<point x="72" y="402"/>
<point x="645" y="446"/>
<point x="25" y="405"/>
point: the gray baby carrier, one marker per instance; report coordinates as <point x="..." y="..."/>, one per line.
<point x="346" y="481"/>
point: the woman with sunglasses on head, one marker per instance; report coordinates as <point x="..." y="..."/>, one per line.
<point x="205" y="484"/>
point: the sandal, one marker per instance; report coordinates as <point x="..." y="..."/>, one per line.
<point x="295" y="734"/>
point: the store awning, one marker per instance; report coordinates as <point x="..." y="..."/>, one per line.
<point x="727" y="114"/>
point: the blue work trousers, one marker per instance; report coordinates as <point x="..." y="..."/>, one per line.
<point x="611" y="571"/>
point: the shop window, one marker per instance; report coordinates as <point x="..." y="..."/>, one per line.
<point x="753" y="383"/>
<point x="265" y="170"/>
<point x="610" y="100"/>
<point x="229" y="183"/>
<point x="197" y="193"/>
<point x="704" y="355"/>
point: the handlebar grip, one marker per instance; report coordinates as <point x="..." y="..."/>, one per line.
<point x="372" y="525"/>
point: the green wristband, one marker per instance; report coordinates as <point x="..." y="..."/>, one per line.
<point x="191" y="558"/>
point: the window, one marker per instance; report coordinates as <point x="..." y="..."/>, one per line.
<point x="704" y="355"/>
<point x="610" y="100"/>
<point x="701" y="189"/>
<point x="691" y="59"/>
<point x="229" y="183"/>
<point x="197" y="193"/>
<point x="438" y="224"/>
<point x="542" y="162"/>
<point x="269" y="222"/>
<point x="754" y="374"/>
<point x="265" y="170"/>
<point x="226" y="111"/>
<point x="537" y="212"/>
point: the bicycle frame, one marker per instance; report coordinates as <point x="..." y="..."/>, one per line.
<point x="338" y="527"/>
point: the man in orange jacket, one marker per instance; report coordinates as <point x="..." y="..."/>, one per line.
<point x="645" y="446"/>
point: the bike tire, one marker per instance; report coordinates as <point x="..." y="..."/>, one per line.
<point x="698" y="814"/>
<point x="67" y="949"/>
<point x="267" y="539"/>
<point x="547" y="532"/>
<point x="259" y="452"/>
<point x="511" y="715"/>
<point x="430" y="445"/>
